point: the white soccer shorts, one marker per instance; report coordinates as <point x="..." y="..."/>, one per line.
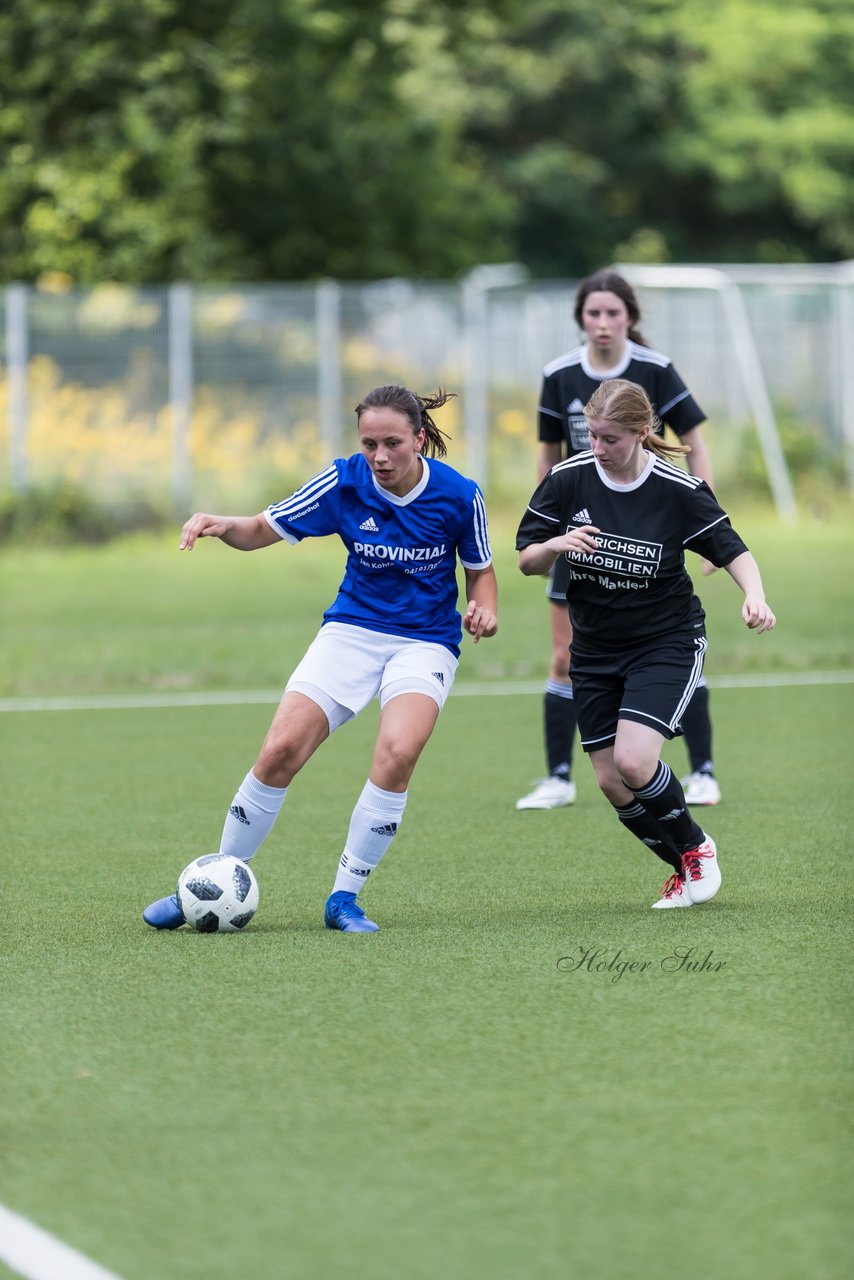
<point x="348" y="666"/>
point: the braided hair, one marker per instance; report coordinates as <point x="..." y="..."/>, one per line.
<point x="416" y="409"/>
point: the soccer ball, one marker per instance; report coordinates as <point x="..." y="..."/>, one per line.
<point x="217" y="893"/>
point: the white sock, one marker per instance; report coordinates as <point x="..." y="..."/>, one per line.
<point x="251" y="816"/>
<point x="373" y="826"/>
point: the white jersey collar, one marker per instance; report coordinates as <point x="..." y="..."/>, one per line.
<point x="626" y="488"/>
<point x="413" y="493"/>
<point x="601" y="374"/>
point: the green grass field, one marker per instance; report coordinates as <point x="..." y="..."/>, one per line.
<point x="444" y="1098"/>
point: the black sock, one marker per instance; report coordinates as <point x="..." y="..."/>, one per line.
<point x="650" y="832"/>
<point x="664" y="798"/>
<point x="697" y="728"/>
<point x="559" y="728"/>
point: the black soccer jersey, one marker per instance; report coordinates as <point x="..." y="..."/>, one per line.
<point x="635" y="587"/>
<point x="569" y="382"/>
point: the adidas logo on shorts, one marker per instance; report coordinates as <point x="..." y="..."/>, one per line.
<point x="582" y="516"/>
<point x="437" y="675"/>
<point x="370" y="525"/>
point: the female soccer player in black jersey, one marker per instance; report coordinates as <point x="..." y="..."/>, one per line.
<point x="620" y="515"/>
<point x="607" y="311"/>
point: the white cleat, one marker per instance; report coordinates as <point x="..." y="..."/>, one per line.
<point x="551" y="793"/>
<point x="701" y="788"/>
<point x="674" y="893"/>
<point x="701" y="871"/>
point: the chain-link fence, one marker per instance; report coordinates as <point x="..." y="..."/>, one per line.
<point x="183" y="397"/>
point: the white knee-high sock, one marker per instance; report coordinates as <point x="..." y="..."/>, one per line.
<point x="373" y="826"/>
<point x="251" y="816"/>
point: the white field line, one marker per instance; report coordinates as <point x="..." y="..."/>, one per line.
<point x="32" y="1253"/>
<point x="470" y="689"/>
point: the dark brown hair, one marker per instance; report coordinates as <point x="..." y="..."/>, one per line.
<point x="627" y="405"/>
<point x="416" y="409"/>
<point x="608" y="281"/>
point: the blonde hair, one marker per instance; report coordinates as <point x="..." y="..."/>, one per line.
<point x="628" y="406"/>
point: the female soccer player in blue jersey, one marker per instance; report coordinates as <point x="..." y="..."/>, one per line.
<point x="393" y="629"/>
<point x="620" y="515"/>
<point x="607" y="312"/>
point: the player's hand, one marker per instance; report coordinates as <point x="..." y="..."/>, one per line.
<point x="479" y="621"/>
<point x="582" y="539"/>
<point x="202" y="526"/>
<point x="757" y="615"/>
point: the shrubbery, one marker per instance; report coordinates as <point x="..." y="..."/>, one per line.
<point x="64" y="512"/>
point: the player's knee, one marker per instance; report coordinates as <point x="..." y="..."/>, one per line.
<point x="610" y="784"/>
<point x="395" y="761"/>
<point x="560" y="665"/>
<point x="635" y="770"/>
<point x="279" y="759"/>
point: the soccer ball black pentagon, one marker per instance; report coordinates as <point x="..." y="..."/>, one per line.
<point x="217" y="893"/>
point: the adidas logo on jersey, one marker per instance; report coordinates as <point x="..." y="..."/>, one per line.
<point x="582" y="516"/>
<point x="370" y="525"/>
<point x="575" y="406"/>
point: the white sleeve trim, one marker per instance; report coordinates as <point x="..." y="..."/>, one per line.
<point x="543" y="516"/>
<point x="286" y="537"/>
<point x="705" y="529"/>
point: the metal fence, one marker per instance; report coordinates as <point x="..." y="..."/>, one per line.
<point x="189" y="396"/>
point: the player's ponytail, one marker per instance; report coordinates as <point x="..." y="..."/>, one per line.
<point x="628" y="406"/>
<point x="608" y="281"/>
<point x="416" y="409"/>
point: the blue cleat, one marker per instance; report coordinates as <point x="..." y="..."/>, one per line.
<point x="343" y="912"/>
<point x="164" y="914"/>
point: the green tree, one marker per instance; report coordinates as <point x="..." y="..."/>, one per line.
<point x="289" y="139"/>
<point x="233" y="140"/>
<point x="671" y="129"/>
<point x="767" y="125"/>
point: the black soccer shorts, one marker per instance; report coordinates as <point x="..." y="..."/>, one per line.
<point x="558" y="581"/>
<point x="651" y="684"/>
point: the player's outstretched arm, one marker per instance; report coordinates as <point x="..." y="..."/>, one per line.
<point x="244" y="533"/>
<point x="481" y="616"/>
<point x="745" y="571"/>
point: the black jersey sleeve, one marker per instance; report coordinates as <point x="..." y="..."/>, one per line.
<point x="675" y="405"/>
<point x="550" y="414"/>
<point x="710" y="533"/>
<point x="541" y="520"/>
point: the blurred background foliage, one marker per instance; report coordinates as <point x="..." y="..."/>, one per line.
<point x="260" y="140"/>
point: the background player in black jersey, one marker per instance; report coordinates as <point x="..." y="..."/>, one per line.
<point x="607" y="310"/>
<point x="620" y="516"/>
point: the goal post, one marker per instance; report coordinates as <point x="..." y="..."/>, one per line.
<point x="754" y="385"/>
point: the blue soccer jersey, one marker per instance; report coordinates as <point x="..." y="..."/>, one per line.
<point x="402" y="552"/>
